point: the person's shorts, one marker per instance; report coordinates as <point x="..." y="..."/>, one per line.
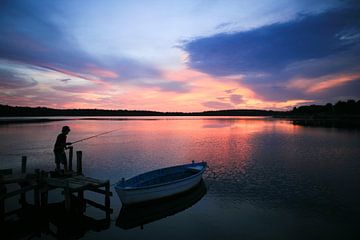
<point x="60" y="157"/>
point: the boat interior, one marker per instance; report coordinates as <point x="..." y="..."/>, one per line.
<point x="164" y="175"/>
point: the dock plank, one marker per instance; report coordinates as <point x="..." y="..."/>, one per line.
<point x="14" y="178"/>
<point x="76" y="183"/>
<point x="17" y="192"/>
<point x="89" y="179"/>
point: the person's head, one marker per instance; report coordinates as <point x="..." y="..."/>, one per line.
<point x="65" y="129"/>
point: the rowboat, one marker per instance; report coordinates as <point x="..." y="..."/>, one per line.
<point x="160" y="183"/>
<point x="137" y="215"/>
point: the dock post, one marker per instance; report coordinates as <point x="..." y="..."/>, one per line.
<point x="23" y="164"/>
<point x="23" y="171"/>
<point x="71" y="154"/>
<point x="79" y="162"/>
<point x="37" y="189"/>
<point x="82" y="201"/>
<point x="2" y="200"/>
<point x="44" y="190"/>
<point x="67" y="197"/>
<point x="107" y="199"/>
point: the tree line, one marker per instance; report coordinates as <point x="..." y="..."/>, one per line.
<point x="17" y="111"/>
<point x="349" y="107"/>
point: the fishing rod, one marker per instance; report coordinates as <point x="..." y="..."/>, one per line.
<point x="84" y="139"/>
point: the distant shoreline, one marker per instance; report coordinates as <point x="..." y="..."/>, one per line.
<point x="24" y="120"/>
<point x="343" y="114"/>
<point x="10" y="111"/>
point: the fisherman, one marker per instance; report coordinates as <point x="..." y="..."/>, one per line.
<point x="59" y="148"/>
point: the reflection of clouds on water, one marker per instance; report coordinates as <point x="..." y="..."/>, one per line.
<point x="265" y="175"/>
<point x="219" y="124"/>
<point x="298" y="174"/>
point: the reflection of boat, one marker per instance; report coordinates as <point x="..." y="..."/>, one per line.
<point x="139" y="214"/>
<point x="160" y="183"/>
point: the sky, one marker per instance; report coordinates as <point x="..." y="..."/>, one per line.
<point x="178" y="55"/>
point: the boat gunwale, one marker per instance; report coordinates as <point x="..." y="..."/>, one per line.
<point x="204" y="164"/>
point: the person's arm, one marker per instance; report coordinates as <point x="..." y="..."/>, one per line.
<point x="67" y="145"/>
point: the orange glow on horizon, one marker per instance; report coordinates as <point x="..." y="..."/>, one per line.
<point x="197" y="91"/>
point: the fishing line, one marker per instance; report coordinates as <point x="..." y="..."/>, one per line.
<point x="87" y="138"/>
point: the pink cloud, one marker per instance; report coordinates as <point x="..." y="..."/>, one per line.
<point x="316" y="85"/>
<point x="332" y="82"/>
<point x="236" y="99"/>
<point x="101" y="73"/>
<point x="218" y="105"/>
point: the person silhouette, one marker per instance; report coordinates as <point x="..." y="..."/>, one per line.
<point x="59" y="148"/>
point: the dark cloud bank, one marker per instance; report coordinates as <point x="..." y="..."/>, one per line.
<point x="310" y="46"/>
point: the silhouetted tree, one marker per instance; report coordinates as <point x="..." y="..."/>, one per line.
<point x="340" y="108"/>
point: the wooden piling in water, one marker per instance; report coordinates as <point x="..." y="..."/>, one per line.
<point x="2" y="200"/>
<point x="44" y="190"/>
<point x="37" y="189"/>
<point x="22" y="200"/>
<point x="23" y="164"/>
<point x="107" y="199"/>
<point x="79" y="162"/>
<point x="41" y="183"/>
<point x="71" y="154"/>
<point x="67" y="197"/>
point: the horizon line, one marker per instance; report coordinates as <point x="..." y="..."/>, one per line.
<point x="103" y="109"/>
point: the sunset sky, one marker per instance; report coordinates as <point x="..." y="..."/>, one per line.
<point x="184" y="55"/>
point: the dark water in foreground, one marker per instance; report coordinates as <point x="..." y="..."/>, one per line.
<point x="268" y="179"/>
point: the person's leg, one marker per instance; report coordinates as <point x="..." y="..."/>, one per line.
<point x="64" y="160"/>
<point x="57" y="161"/>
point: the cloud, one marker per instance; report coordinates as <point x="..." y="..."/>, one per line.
<point x="77" y="89"/>
<point x="319" y="85"/>
<point x="168" y="86"/>
<point x="236" y="99"/>
<point x="217" y="105"/>
<point x="39" y="98"/>
<point x="10" y="80"/>
<point x="273" y="47"/>
<point x="270" y="57"/>
<point x="30" y="35"/>
<point x="65" y="80"/>
<point x="230" y="90"/>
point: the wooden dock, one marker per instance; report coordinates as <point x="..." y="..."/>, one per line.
<point x="73" y="184"/>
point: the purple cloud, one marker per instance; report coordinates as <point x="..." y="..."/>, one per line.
<point x="217" y="105"/>
<point x="270" y="57"/>
<point x="28" y="34"/>
<point x="9" y="79"/>
<point x="236" y="99"/>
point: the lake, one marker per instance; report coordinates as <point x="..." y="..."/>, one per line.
<point x="267" y="178"/>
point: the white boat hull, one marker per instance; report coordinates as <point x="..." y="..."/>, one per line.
<point x="137" y="195"/>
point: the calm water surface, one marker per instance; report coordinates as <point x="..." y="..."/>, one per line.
<point x="268" y="179"/>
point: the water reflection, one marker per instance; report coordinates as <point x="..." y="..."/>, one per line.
<point x="50" y="222"/>
<point x="342" y="123"/>
<point x="261" y="171"/>
<point x="141" y="214"/>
